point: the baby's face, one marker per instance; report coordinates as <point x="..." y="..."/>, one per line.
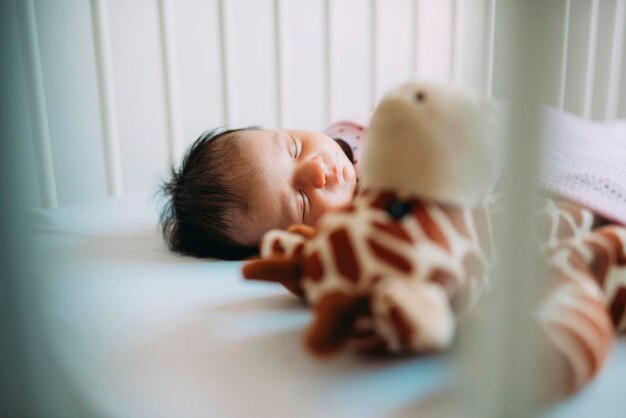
<point x="301" y="176"/>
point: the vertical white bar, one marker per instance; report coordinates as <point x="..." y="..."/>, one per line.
<point x="414" y="64"/>
<point x="564" y="51"/>
<point x="110" y="134"/>
<point x="373" y="53"/>
<point x="170" y="79"/>
<point x="591" y="58"/>
<point x="457" y="39"/>
<point x="329" y="62"/>
<point x="490" y="45"/>
<point x="615" y="67"/>
<point x="280" y="49"/>
<point x="37" y="102"/>
<point x="227" y="91"/>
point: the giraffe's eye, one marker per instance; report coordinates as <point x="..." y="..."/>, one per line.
<point x="420" y="96"/>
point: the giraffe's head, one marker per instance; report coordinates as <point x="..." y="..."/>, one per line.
<point x="436" y="141"/>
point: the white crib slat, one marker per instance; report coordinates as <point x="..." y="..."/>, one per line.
<point x="591" y="58"/>
<point x="329" y="61"/>
<point x="37" y="102"/>
<point x="225" y="60"/>
<point x="279" y="47"/>
<point x="373" y="53"/>
<point x="414" y="64"/>
<point x="615" y="67"/>
<point x="102" y="45"/>
<point x="170" y="79"/>
<point x="490" y="45"/>
<point x="457" y="39"/>
<point x="564" y="51"/>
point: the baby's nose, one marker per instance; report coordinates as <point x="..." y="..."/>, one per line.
<point x="312" y="173"/>
<point x="318" y="172"/>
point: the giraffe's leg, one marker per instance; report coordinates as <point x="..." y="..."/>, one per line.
<point x="575" y="322"/>
<point x="334" y="316"/>
<point x="412" y="316"/>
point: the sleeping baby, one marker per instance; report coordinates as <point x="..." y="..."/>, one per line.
<point x="234" y="185"/>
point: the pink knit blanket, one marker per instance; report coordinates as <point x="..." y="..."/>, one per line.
<point x="585" y="161"/>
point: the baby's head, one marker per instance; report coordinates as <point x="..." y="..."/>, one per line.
<point x="232" y="186"/>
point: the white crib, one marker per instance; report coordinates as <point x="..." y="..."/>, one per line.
<point x="109" y="93"/>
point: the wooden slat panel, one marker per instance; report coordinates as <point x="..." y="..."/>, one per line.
<point x="18" y="130"/>
<point x="616" y="56"/>
<point x="102" y="47"/>
<point x="198" y="61"/>
<point x="138" y="72"/>
<point x="564" y="52"/>
<point x="394" y="38"/>
<point x="456" y="59"/>
<point x="303" y="76"/>
<point x="435" y="39"/>
<point x="591" y="58"/>
<point x="253" y="70"/>
<point x="170" y="80"/>
<point x="474" y="35"/>
<point x="70" y="77"/>
<point x="279" y="47"/>
<point x="37" y="102"/>
<point x="577" y="87"/>
<point x="226" y="61"/>
<point x="350" y="57"/>
<point x="490" y="36"/>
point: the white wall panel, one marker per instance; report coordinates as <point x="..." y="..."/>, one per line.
<point x="253" y="72"/>
<point x="393" y="62"/>
<point x="304" y="64"/>
<point x="199" y="70"/>
<point x="139" y="89"/>
<point x="14" y="105"/>
<point x="434" y="40"/>
<point x="68" y="64"/>
<point x="350" y="57"/>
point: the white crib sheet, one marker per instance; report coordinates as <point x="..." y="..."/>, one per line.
<point x="131" y="330"/>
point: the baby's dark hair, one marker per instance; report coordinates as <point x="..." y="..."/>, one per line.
<point x="202" y="200"/>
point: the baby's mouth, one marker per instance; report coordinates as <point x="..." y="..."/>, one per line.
<point x="346" y="149"/>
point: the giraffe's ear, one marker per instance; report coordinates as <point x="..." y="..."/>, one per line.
<point x="301" y="229"/>
<point x="279" y="269"/>
<point x="334" y="314"/>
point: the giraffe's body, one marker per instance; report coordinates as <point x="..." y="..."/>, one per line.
<point x="357" y="250"/>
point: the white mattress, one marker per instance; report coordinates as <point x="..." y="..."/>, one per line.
<point x="130" y="330"/>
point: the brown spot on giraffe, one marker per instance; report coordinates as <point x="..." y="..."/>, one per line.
<point x="600" y="263"/>
<point x="390" y="257"/>
<point x="312" y="267"/>
<point x="394" y="229"/>
<point x="617" y="245"/>
<point x="618" y="306"/>
<point x="277" y="247"/>
<point x="430" y="227"/>
<point x="344" y="255"/>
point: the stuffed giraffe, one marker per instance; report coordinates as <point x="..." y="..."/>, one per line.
<point x="412" y="252"/>
<point x="397" y="269"/>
